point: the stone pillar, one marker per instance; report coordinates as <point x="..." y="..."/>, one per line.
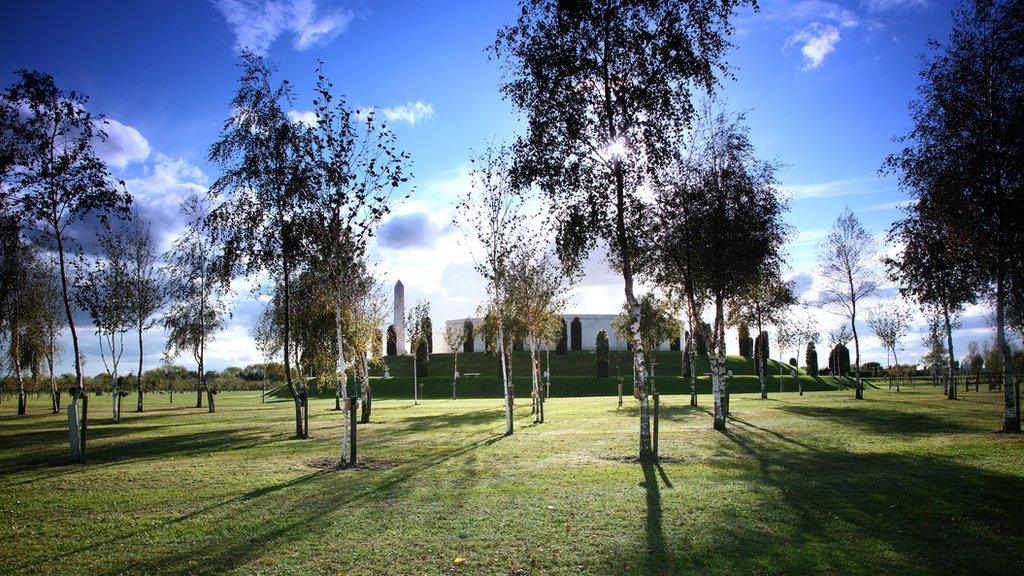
<point x="400" y="347"/>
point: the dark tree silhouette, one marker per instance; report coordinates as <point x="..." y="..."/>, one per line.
<point x="964" y="155"/>
<point x="576" y="334"/>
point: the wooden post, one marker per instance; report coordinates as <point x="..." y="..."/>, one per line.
<point x="85" y="421"/>
<point x="353" y="405"/>
<point x="656" y="412"/>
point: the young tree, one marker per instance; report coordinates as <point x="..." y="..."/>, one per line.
<point x="846" y="260"/>
<point x="454" y="339"/>
<point x="266" y="190"/>
<point x="606" y="91"/>
<point x="657" y="325"/>
<point x="889" y="322"/>
<point x="102" y="289"/>
<point x="195" y="292"/>
<point x="358" y="168"/>
<point x="417" y="338"/>
<point x="935" y="270"/>
<point x="735" y="225"/>
<point x="59" y="180"/>
<point x="763" y="304"/>
<point x="144" y="285"/>
<point x="935" y="351"/>
<point x="963" y="152"/>
<point x="792" y="333"/>
<point x="601" y="348"/>
<point x="537" y="293"/>
<point x="493" y="210"/>
<point x="838" y="339"/>
<point x="267" y="343"/>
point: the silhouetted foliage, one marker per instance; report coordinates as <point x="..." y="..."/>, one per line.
<point x="601" y="347"/>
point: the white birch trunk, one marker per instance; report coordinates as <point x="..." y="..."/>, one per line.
<point x="342" y="380"/>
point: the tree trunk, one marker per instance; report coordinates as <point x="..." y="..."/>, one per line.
<point x="367" y="393"/>
<point x="341" y="378"/>
<point x="506" y="385"/>
<point x="859" y="388"/>
<point x="54" y="390"/>
<point x="1011" y="417"/>
<point x="538" y="389"/>
<point x="300" y="429"/>
<point x="896" y="359"/>
<point x="759" y="360"/>
<point x="140" y="405"/>
<point x="16" y="353"/>
<point x="950" y="367"/>
<point x="211" y="406"/>
<point x="415" y="382"/>
<point x="718" y="386"/>
<point x="455" y="374"/>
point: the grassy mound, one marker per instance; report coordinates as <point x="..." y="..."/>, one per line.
<point x="572" y="374"/>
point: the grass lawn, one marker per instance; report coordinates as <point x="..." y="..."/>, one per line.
<point x="905" y="483"/>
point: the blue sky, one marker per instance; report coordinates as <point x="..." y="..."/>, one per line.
<point x="825" y="87"/>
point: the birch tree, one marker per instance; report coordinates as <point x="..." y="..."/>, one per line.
<point x="265" y="191"/>
<point x="59" y="181"/>
<point x="102" y="289"/>
<point x="935" y="269"/>
<point x="735" y="229"/>
<point x="416" y="337"/>
<point x="763" y="304"/>
<point x="890" y="322"/>
<point x="454" y="340"/>
<point x="846" y="262"/>
<point x="537" y="291"/>
<point x="358" y="170"/>
<point x="196" y="293"/>
<point x="492" y="211"/>
<point x="605" y="88"/>
<point x="145" y="289"/>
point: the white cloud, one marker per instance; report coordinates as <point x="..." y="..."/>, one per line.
<point x="836" y="188"/>
<point x="410" y="112"/>
<point x="816" y="41"/>
<point x="256" y="24"/>
<point x="819" y="10"/>
<point x="307" y="117"/>
<point x="898" y="204"/>
<point x="123" y="145"/>
<point x="894" y="5"/>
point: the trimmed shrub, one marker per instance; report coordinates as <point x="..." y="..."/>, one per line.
<point x="703" y="339"/>
<point x="602" y="354"/>
<point x="762" y="350"/>
<point x="811" y="359"/>
<point x="422" y="360"/>
<point x="428" y="331"/>
<point x="467" y="327"/>
<point x="839" y="361"/>
<point x="576" y="334"/>
<point x="673" y="344"/>
<point x="792" y="362"/>
<point x="562" y="346"/>
<point x="392" y="341"/>
<point x="746" y="343"/>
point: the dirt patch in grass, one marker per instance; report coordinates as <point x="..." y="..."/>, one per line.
<point x="362" y="464"/>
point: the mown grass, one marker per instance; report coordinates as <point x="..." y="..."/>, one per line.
<point x="905" y="483"/>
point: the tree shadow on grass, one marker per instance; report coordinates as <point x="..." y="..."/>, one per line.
<point x="879" y="420"/>
<point x="111" y="445"/>
<point x="305" y="503"/>
<point x="447" y="420"/>
<point x="778" y="508"/>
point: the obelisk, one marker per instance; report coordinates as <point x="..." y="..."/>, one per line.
<point x="400" y="318"/>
